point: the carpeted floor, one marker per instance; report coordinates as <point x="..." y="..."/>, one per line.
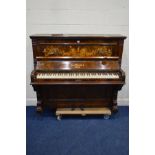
<point x="77" y="135"/>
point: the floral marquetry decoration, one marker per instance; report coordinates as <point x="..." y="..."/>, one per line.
<point x="75" y="51"/>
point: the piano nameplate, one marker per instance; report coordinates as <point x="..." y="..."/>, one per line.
<point x="80" y="65"/>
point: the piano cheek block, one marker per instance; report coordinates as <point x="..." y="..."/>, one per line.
<point x="74" y="71"/>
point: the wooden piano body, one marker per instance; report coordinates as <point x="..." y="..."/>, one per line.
<point x="72" y="71"/>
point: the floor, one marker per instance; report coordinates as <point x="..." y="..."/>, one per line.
<point x="90" y="135"/>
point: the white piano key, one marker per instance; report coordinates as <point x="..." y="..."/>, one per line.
<point x="77" y="75"/>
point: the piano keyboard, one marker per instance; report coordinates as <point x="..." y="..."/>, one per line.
<point x="77" y="76"/>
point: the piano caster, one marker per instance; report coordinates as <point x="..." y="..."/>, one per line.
<point x="106" y="116"/>
<point x="59" y="117"/>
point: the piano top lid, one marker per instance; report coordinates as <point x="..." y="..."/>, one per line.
<point x="110" y="36"/>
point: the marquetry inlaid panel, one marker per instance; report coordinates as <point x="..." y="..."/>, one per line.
<point x="77" y="51"/>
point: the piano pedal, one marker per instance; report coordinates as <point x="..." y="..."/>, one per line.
<point x="73" y="108"/>
<point x="82" y="108"/>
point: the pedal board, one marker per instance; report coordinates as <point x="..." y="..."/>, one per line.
<point x="84" y="111"/>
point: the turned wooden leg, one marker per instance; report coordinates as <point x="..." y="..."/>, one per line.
<point x="114" y="105"/>
<point x="39" y="107"/>
<point x="114" y="109"/>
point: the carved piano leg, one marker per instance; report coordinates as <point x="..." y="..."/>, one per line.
<point x="114" y="106"/>
<point x="115" y="109"/>
<point x="39" y="108"/>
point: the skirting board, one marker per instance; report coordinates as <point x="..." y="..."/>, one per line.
<point x="121" y="101"/>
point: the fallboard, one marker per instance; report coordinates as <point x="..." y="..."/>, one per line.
<point x="80" y="65"/>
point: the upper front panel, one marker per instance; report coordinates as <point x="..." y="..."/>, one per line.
<point x="77" y="46"/>
<point x="76" y="49"/>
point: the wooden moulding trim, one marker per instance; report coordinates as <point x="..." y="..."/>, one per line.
<point x="75" y="36"/>
<point x="75" y="83"/>
<point x="78" y="44"/>
<point x="77" y="58"/>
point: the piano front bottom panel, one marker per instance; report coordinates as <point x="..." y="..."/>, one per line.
<point x="78" y="103"/>
<point x="64" y="96"/>
<point x="75" y="91"/>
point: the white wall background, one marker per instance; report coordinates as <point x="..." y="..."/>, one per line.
<point x="77" y="17"/>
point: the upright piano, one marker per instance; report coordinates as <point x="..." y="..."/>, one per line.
<point x="77" y="71"/>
